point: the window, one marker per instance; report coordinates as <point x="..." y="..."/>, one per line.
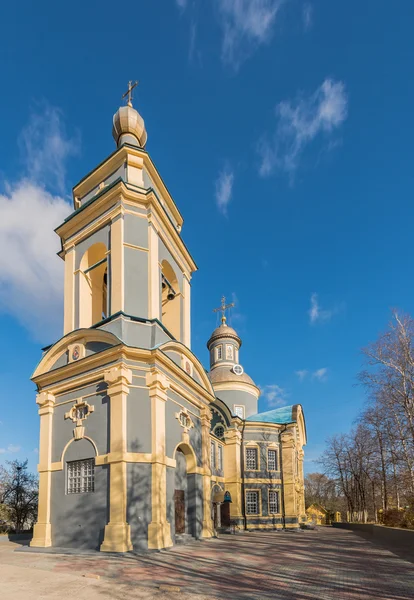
<point x="219" y="431"/>
<point x="229" y="352"/>
<point x="273" y="502"/>
<point x="252" y="503"/>
<point x="219" y="352"/>
<point x="81" y="476"/>
<point x="185" y="420"/>
<point x="213" y="455"/>
<point x="239" y="411"/>
<point x="220" y="458"/>
<point x="251" y="459"/>
<point x="271" y="460"/>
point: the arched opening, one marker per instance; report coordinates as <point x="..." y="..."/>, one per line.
<point x="187" y="494"/>
<point x="170" y="300"/>
<point x="93" y="296"/>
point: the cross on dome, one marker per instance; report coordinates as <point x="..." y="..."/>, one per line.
<point x="223" y="309"/>
<point x="131" y="86"/>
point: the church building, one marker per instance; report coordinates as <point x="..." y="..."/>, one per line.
<point x="140" y="447"/>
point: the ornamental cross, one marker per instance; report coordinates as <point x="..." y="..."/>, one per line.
<point x="223" y="309"/>
<point x="131" y="86"/>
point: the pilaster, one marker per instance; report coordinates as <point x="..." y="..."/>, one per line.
<point x="117" y="264"/>
<point x="117" y="537"/>
<point x="288" y="446"/>
<point x="232" y="470"/>
<point x="208" y="529"/>
<point x="159" y="530"/>
<point x="69" y="297"/>
<point x="186" y="312"/>
<point x="42" y="533"/>
<point x="153" y="274"/>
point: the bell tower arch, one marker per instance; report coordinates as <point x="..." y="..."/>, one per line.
<point x="122" y="246"/>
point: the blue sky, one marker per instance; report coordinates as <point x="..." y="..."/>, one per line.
<point x="283" y="131"/>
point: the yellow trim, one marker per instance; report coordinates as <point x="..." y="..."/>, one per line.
<point x="187" y="312"/>
<point x="69" y="291"/>
<point x="267" y="480"/>
<point x="134" y="247"/>
<point x="153" y="274"/>
<point x="117" y="265"/>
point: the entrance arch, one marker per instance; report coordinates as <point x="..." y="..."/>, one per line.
<point x="188" y="506"/>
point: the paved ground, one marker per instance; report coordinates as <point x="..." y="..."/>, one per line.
<point x="324" y="564"/>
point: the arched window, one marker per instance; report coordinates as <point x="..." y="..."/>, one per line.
<point x="219" y="431"/>
<point x="93" y="297"/>
<point x="170" y="300"/>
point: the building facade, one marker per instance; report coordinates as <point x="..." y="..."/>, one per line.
<point x="139" y="446"/>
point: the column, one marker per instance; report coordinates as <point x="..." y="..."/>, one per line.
<point x="208" y="529"/>
<point x="159" y="530"/>
<point x="69" y="291"/>
<point x="301" y="495"/>
<point x="117" y="537"/>
<point x="289" y="478"/>
<point x="232" y="470"/>
<point x="42" y="533"/>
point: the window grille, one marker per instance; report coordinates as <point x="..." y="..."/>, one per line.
<point x="251" y="459"/>
<point x="271" y="460"/>
<point x="273" y="502"/>
<point x="219" y="352"/>
<point x="252" y="503"/>
<point x="213" y="455"/>
<point x="81" y="476"/>
<point x="220" y="458"/>
<point x="219" y="431"/>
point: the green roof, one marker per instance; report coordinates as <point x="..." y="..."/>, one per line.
<point x="277" y="415"/>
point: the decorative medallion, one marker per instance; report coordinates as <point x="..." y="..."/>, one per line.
<point x="78" y="413"/>
<point x="188" y="367"/>
<point x="185" y="420"/>
<point x="75" y="353"/>
<point x="238" y="370"/>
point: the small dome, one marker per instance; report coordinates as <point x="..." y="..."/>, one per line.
<point x="225" y="373"/>
<point x="128" y="125"/>
<point x="224" y="331"/>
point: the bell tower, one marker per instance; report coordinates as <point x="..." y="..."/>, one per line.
<point x="127" y="269"/>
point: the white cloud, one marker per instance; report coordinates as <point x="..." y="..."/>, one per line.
<point x="224" y="188"/>
<point x="317" y="314"/>
<point x="36" y="450"/>
<point x="307" y="16"/>
<point x="274" y="395"/>
<point x="46" y="148"/>
<point x="181" y="3"/>
<point x="246" y="24"/>
<point x="11" y="449"/>
<point x="320" y="374"/>
<point x="31" y="275"/>
<point x="301" y="374"/>
<point x="299" y="123"/>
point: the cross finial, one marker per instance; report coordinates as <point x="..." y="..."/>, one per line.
<point x="223" y="309"/>
<point x="131" y="86"/>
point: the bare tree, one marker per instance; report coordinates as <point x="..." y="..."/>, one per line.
<point x="19" y="493"/>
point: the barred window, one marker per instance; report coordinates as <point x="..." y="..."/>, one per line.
<point x="252" y="503"/>
<point x="251" y="459"/>
<point x="220" y="458"/>
<point x="273" y="502"/>
<point x="213" y="455"/>
<point x="219" y="431"/>
<point x="219" y="352"/>
<point x="81" y="476"/>
<point x="271" y="460"/>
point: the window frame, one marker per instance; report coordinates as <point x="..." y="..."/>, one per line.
<point x="277" y="492"/>
<point x="230" y="352"/>
<point x="256" y="450"/>
<point x="70" y="478"/>
<point x="213" y="455"/>
<point x="258" y="492"/>
<point x="276" y="459"/>
<point x="219" y="352"/>
<point x="217" y="427"/>
<point x="235" y="406"/>
<point x="220" y="457"/>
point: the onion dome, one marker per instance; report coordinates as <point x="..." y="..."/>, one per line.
<point x="128" y="125"/>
